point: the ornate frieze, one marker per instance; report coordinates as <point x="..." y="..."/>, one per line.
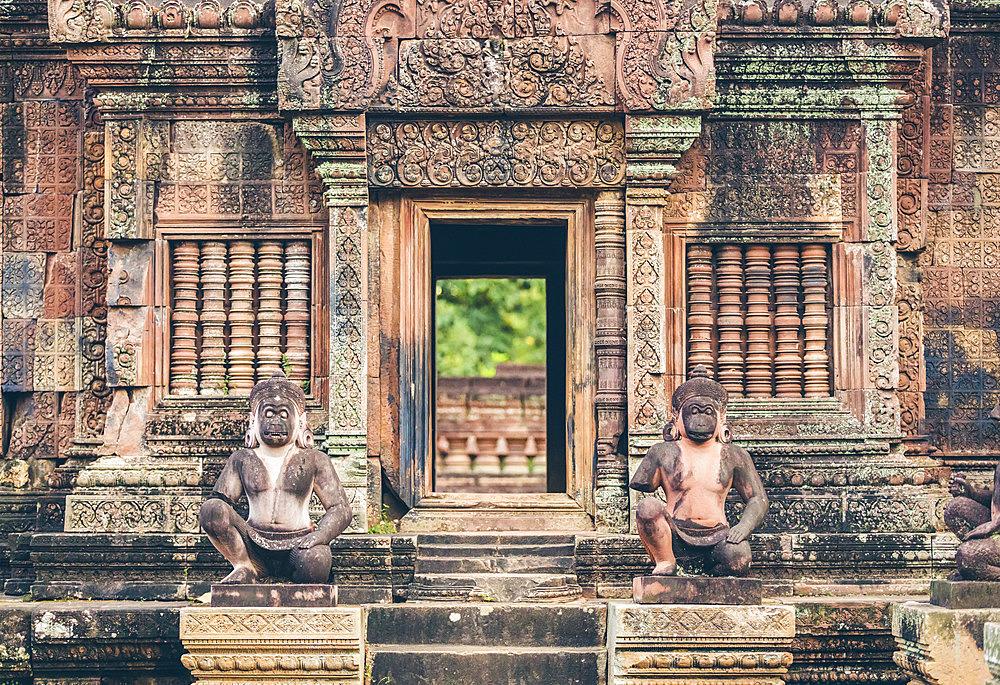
<point x="228" y="644"/>
<point x="687" y="643"/>
<point x="78" y="21"/>
<point x="496" y="153"/>
<point x="517" y="74"/>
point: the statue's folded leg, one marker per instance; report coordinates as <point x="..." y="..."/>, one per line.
<point x="979" y="559"/>
<point x="219" y="521"/>
<point x="656" y="535"/>
<point x="962" y="514"/>
<point x="729" y="559"/>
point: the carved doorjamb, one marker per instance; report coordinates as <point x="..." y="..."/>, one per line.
<point x="403" y="383"/>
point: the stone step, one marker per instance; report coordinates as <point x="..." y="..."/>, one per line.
<point x="581" y="624"/>
<point x="506" y="564"/>
<point x="492" y="550"/>
<point x="465" y="665"/>
<point x="494" y="587"/>
<point x="495" y="539"/>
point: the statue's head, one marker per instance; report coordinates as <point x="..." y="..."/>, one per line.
<point x="278" y="414"/>
<point x="699" y="406"/>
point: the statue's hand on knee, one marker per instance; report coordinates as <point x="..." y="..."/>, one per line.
<point x="311" y="540"/>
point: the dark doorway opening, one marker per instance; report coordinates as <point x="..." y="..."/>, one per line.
<point x="517" y="260"/>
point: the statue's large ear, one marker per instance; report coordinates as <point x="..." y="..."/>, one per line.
<point x="303" y="433"/>
<point x="672" y="432"/>
<point x="725" y="435"/>
<point x="252" y="438"/>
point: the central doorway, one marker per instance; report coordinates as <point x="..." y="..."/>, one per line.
<point x="402" y="421"/>
<point x="498" y="399"/>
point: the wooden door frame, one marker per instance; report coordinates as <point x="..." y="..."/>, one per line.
<point x="405" y="314"/>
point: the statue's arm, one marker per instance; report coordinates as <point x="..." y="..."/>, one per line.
<point x="649" y="476"/>
<point x="333" y="497"/>
<point x="748" y="484"/>
<point x="229" y="483"/>
<point x="993" y="525"/>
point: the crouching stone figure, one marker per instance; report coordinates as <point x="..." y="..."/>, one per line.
<point x="278" y="470"/>
<point x="974" y="516"/>
<point x="696" y="466"/>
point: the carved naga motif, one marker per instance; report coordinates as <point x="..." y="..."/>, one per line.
<point x="663" y="53"/>
<point x="337" y="53"/>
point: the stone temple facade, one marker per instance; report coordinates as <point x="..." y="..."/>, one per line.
<point x="802" y="195"/>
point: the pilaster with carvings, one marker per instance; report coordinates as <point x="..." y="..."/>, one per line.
<point x="654" y="146"/>
<point x="610" y="343"/>
<point x="337" y="146"/>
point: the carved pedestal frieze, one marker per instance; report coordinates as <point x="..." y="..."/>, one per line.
<point x="936" y="646"/>
<point x="689" y="643"/>
<point x="272" y="645"/>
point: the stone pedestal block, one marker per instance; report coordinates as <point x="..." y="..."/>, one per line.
<point x="697" y="643"/>
<point x="695" y="590"/>
<point x="272" y="645"/>
<point x="280" y="595"/>
<point x="936" y="645"/>
<point x="965" y="594"/>
<point x="991" y="647"/>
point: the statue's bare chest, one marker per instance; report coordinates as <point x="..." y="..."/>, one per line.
<point x="292" y="475"/>
<point x="701" y="469"/>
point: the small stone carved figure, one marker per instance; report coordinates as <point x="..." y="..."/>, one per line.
<point x="696" y="466"/>
<point x="974" y="516"/>
<point x="278" y="470"/>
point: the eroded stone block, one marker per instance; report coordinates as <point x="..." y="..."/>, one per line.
<point x="940" y="646"/>
<point x="130" y="282"/>
<point x="129" y="348"/>
<point x="284" y="595"/>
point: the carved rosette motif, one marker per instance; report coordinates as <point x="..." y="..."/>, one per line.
<point x="496" y="153"/>
<point x="129" y="193"/>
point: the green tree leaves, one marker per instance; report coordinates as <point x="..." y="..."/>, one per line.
<point x="482" y="322"/>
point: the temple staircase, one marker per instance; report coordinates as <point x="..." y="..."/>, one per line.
<point x="494" y="567"/>
<point x="463" y="643"/>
